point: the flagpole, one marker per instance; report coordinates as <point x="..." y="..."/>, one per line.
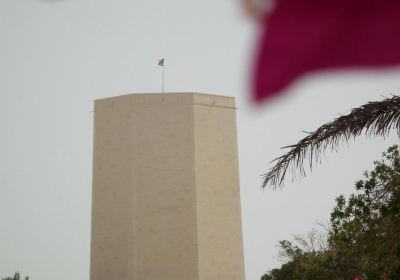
<point x="161" y="62"/>
<point x="162" y="84"/>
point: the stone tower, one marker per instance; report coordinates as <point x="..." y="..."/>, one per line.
<point x="166" y="200"/>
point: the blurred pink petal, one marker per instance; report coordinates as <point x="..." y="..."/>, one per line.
<point x="307" y="35"/>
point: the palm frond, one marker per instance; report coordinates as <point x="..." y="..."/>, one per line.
<point x="374" y="119"/>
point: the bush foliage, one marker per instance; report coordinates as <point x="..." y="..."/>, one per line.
<point x="363" y="238"/>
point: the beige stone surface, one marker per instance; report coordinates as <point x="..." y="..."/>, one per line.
<point x="166" y="202"/>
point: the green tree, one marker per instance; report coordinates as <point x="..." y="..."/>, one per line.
<point x="16" y="277"/>
<point x="364" y="234"/>
<point x="307" y="258"/>
<point x="366" y="227"/>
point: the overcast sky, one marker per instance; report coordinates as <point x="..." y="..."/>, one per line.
<point x="57" y="56"/>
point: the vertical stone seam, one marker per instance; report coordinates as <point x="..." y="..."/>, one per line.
<point x="134" y="185"/>
<point x="240" y="195"/>
<point x="196" y="187"/>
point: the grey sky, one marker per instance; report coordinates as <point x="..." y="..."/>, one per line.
<point x="57" y="56"/>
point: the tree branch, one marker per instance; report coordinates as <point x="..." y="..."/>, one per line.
<point x="374" y="119"/>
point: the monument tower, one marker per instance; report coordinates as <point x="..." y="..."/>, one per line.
<point x="166" y="200"/>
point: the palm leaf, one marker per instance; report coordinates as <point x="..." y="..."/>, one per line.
<point x="373" y="119"/>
